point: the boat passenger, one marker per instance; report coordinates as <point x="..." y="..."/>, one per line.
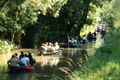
<point x="25" y="60"/>
<point x="13" y="63"/>
<point x="75" y="43"/>
<point x="21" y="55"/>
<point x="16" y="55"/>
<point x="32" y="60"/>
<point x="51" y="48"/>
<point x="85" y="40"/>
<point x="57" y="47"/>
<point x="43" y="49"/>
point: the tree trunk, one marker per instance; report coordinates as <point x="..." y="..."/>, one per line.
<point x="86" y="10"/>
<point x="17" y="39"/>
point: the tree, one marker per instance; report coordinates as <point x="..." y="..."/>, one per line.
<point x="70" y="21"/>
<point x="76" y="13"/>
<point x="111" y="12"/>
<point x="16" y="15"/>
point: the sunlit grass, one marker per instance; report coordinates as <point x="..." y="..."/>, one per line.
<point x="104" y="64"/>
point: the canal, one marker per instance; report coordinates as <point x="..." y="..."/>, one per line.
<point x="50" y="67"/>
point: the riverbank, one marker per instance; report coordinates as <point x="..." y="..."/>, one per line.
<point x="104" y="64"/>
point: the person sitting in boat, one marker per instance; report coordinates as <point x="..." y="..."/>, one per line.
<point x="75" y="43"/>
<point x="84" y="39"/>
<point x="25" y="60"/>
<point x="21" y="55"/>
<point x="46" y="44"/>
<point x="57" y="47"/>
<point x="16" y="55"/>
<point x="51" y="48"/>
<point x="32" y="60"/>
<point x="72" y="42"/>
<point x="49" y="45"/>
<point x="43" y="49"/>
<point x="13" y="63"/>
<point x="90" y="36"/>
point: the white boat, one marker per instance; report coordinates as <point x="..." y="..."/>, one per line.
<point x="50" y="53"/>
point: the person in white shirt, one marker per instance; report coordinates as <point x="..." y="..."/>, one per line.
<point x="85" y="39"/>
<point x="57" y="47"/>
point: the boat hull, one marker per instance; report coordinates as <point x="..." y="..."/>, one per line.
<point x="20" y="69"/>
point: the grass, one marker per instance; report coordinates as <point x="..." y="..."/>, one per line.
<point x="104" y="64"/>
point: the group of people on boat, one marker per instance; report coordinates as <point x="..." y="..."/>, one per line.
<point x="21" y="62"/>
<point x="74" y="42"/>
<point x="49" y="47"/>
<point x="91" y="36"/>
<point x="101" y="28"/>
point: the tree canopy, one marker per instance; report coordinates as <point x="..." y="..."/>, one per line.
<point x="110" y="13"/>
<point x="15" y="15"/>
<point x="47" y="20"/>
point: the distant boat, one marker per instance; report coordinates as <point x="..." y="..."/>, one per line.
<point x="50" y="53"/>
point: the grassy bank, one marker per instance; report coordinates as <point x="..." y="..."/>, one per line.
<point x="104" y="64"/>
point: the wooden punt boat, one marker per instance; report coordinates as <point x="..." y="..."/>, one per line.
<point x="59" y="52"/>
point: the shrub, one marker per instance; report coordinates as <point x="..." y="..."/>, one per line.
<point x="5" y="46"/>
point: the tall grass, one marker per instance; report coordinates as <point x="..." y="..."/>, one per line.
<point x="3" y="61"/>
<point x="105" y="63"/>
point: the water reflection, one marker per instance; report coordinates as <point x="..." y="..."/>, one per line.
<point x="52" y="61"/>
<point x="54" y="67"/>
<point x="71" y="52"/>
<point x="20" y="76"/>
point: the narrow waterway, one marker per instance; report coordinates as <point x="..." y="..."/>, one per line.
<point x="51" y="67"/>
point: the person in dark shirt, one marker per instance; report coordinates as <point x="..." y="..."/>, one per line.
<point x="32" y="60"/>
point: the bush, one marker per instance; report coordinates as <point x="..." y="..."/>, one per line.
<point x="4" y="46"/>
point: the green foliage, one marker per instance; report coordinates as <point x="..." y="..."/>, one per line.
<point x="104" y="63"/>
<point x="111" y="12"/>
<point x="72" y="16"/>
<point x="4" y="46"/>
<point x="16" y="15"/>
